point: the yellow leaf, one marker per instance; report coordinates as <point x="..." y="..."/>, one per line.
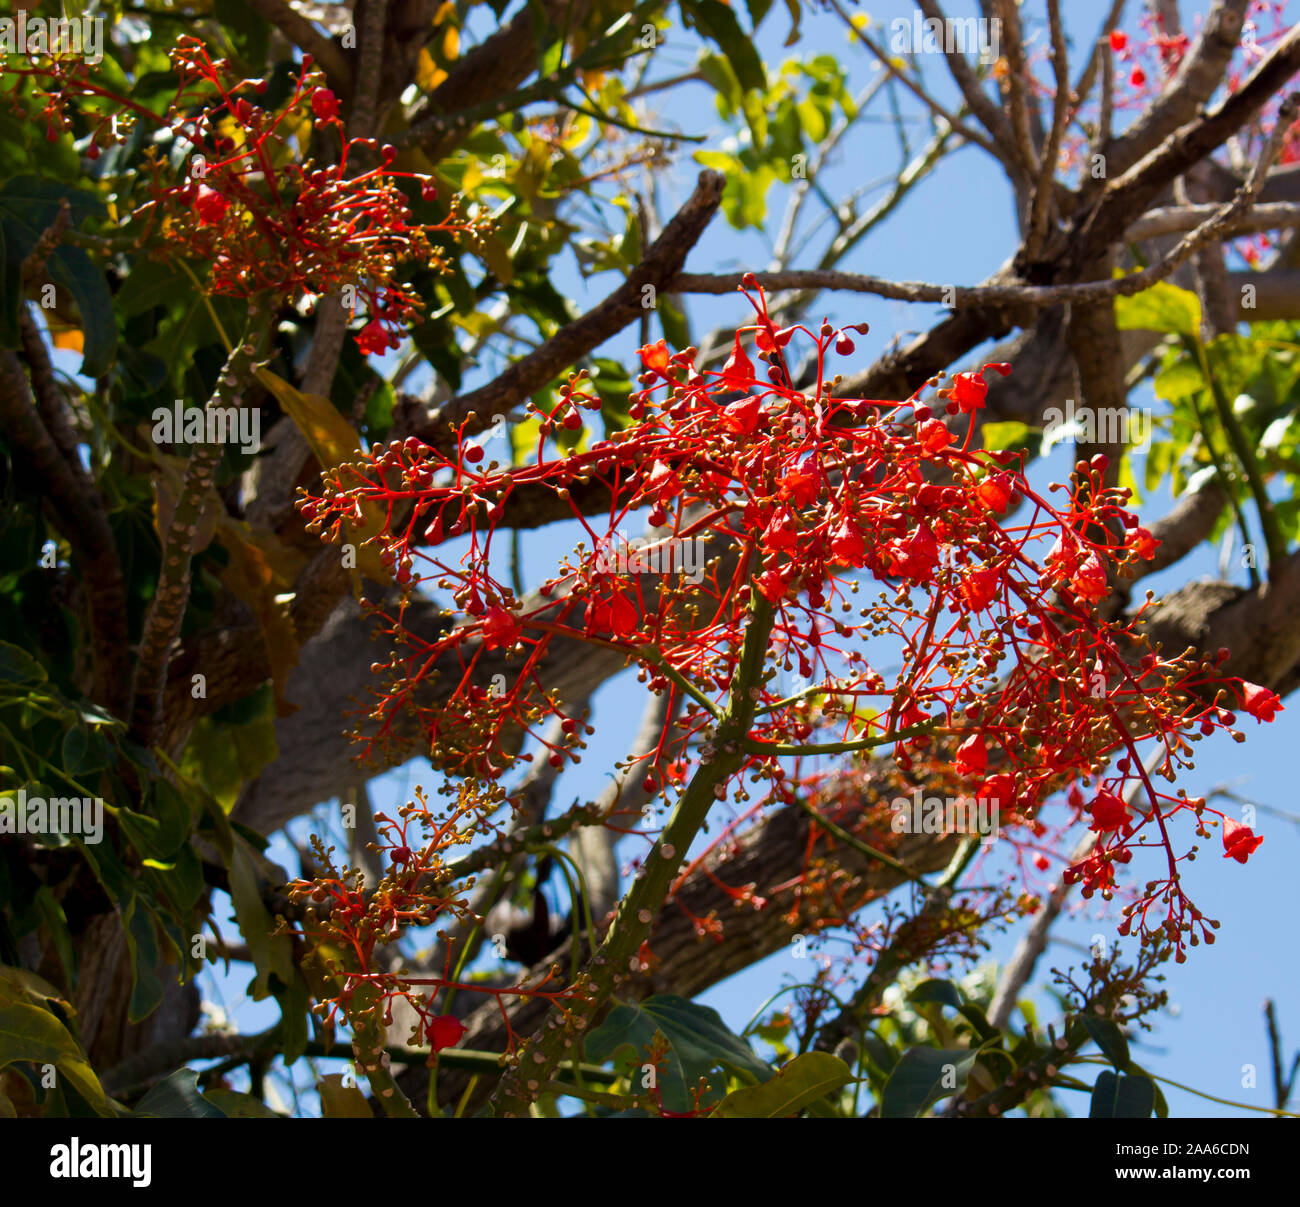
<point x="428" y="75"/>
<point x="473" y="177"/>
<point x="333" y="441"/>
<point x="451" y="43"/>
<point x="496" y="255"/>
<point x="259" y="574"/>
<point x="338" y="1101"/>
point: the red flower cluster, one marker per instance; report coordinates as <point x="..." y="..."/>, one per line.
<point x="349" y="921"/>
<point x="271" y="222"/>
<point x="805" y="500"/>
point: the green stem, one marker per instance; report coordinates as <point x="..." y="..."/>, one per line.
<point x="858" y="845"/>
<point x="756" y="747"/>
<point x="617" y="955"/>
<point x="1273" y="540"/>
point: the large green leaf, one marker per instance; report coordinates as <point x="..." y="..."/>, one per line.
<point x="700" y="1044"/>
<point x="935" y="990"/>
<point x="177" y="1097"/>
<point x="803" y="1081"/>
<point x="1118" y="1096"/>
<point x="717" y="22"/>
<point x="1105" y="1033"/>
<point x="922" y="1077"/>
<point x="272" y="954"/>
<point x="18" y="666"/>
<point x="29" y="1033"/>
<point x="142" y="943"/>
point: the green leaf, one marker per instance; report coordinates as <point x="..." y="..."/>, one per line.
<point x="272" y="954"/>
<point x="71" y="268"/>
<point x="338" y="1101"/>
<point x="177" y="1097"/>
<point x="922" y="1077"/>
<point x="142" y="943"/>
<point x="804" y="1080"/>
<point x="56" y="923"/>
<point x="944" y="992"/>
<point x="1117" y="1096"/>
<point x="718" y="73"/>
<point x="615" y="389"/>
<point x="83" y="751"/>
<point x="234" y="1105"/>
<point x="1182" y="379"/>
<point x="700" y="1044"/>
<point x="884" y="1057"/>
<point x="974" y="1015"/>
<point x="673" y="321"/>
<point x="1105" y="1033"/>
<point x="295" y="1008"/>
<point x="718" y="23"/>
<point x="1009" y="434"/>
<point x="18" y="666"/>
<point x="1163" y="307"/>
<point x="31" y="1034"/>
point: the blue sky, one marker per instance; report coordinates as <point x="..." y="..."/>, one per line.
<point x="957" y="227"/>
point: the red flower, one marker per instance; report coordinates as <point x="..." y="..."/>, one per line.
<point x="1144" y="544"/>
<point x="444" y="1031"/>
<point x="800" y="485"/>
<point x="997" y="788"/>
<point x="773" y="584"/>
<point x="1109" y="812"/>
<point x="655" y="358"/>
<point x="968" y="392"/>
<point x="663" y="482"/>
<point x="1239" y="841"/>
<point x="934" y="436"/>
<point x="1089" y="581"/>
<point x="738" y="372"/>
<point x="741" y="417"/>
<point x="373" y="339"/>
<point x="500" y="628"/>
<point x="210" y="206"/>
<point x="324" y="104"/>
<point x="979" y="587"/>
<point x="615" y="615"/>
<point x="781" y="533"/>
<point x="847" y="544"/>
<point x="971" y="758"/>
<point x="1261" y="703"/>
<point x="915" y="558"/>
<point x="995" y="493"/>
<point x="1138" y="78"/>
<point x="1118" y="40"/>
